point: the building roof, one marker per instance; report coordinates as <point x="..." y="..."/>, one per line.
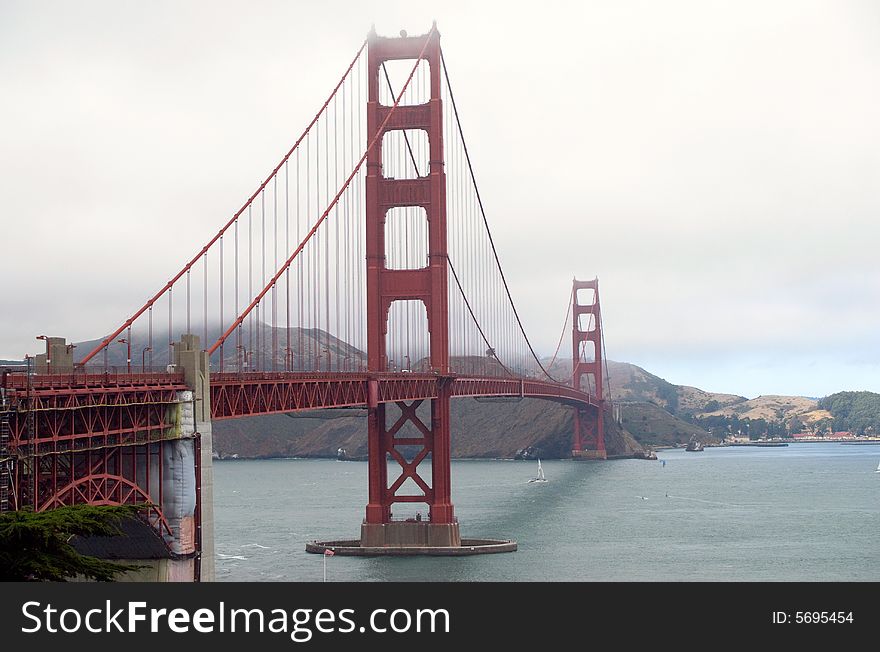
<point x="139" y="540"/>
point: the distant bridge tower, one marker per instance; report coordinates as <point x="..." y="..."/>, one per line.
<point x="428" y="285"/>
<point x="587" y="372"/>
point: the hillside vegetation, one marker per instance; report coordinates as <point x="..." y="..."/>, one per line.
<point x="857" y="412"/>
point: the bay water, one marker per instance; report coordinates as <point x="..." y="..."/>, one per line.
<point x="805" y="512"/>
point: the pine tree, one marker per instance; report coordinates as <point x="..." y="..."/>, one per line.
<point x="35" y="546"/>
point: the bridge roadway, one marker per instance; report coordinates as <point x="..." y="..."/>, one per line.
<point x="106" y="409"/>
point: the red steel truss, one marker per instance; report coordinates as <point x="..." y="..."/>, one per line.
<point x="95" y="438"/>
<point x="93" y="412"/>
<point x="90" y="438"/>
<point x="76" y="411"/>
<point x="238" y="395"/>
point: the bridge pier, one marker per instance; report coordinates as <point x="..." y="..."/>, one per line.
<point x="440" y="527"/>
<point x="411" y="439"/>
<point x="123" y="439"/>
<point x="58" y="358"/>
<point x="193" y="362"/>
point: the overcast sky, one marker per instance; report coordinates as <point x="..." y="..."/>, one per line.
<point x="715" y="164"/>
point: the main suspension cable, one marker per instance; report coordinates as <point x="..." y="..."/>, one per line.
<point x="486" y="222"/>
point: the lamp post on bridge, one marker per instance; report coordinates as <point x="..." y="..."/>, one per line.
<point x="48" y="354"/>
<point x="127" y="342"/>
<point x="144" y="358"/>
<point x="70" y="348"/>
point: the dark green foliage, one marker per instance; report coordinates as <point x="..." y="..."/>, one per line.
<point x="857" y="412"/>
<point x="35" y="546"/>
<point x="669" y="394"/>
<point x="721" y="426"/>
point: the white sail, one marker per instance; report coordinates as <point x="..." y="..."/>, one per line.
<point x="540" y="477"/>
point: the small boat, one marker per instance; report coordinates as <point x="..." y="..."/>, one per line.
<point x="540" y="477"/>
<point x="878" y="468"/>
<point x="343" y="456"/>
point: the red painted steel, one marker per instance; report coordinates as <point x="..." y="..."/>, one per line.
<point x="589" y="426"/>
<point x="134" y="409"/>
<point x="90" y="438"/>
<point x="106" y="489"/>
<point x="428" y="284"/>
<point x="247" y="394"/>
<point x="88" y="411"/>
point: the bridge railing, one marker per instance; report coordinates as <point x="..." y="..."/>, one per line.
<point x="86" y="377"/>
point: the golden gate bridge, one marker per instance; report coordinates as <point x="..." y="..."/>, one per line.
<point x="361" y="273"/>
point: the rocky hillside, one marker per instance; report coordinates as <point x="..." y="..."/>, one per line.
<point x="651" y="425"/>
<point x="774" y="408"/>
<point x="632" y="383"/>
<point x="492" y="429"/>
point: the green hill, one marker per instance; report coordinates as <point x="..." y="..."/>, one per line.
<point x="857" y="412"/>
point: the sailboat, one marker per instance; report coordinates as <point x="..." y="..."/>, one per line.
<point x="876" y="471"/>
<point x="540" y="477"/>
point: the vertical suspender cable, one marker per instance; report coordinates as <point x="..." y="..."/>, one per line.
<point x="299" y="275"/>
<point x="274" y="286"/>
<point x="188" y="301"/>
<point x="170" y="337"/>
<point x="288" y="353"/>
<point x="336" y="212"/>
<point x="221" y="301"/>
<point x="261" y="307"/>
<point x="205" y="296"/>
<point x="327" y="239"/>
<point x="235" y="299"/>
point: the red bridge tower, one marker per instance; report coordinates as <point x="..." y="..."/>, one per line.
<point x="587" y="373"/>
<point x="428" y="285"/>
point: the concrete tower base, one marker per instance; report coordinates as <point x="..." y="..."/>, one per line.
<point x="411" y="538"/>
<point x="588" y="455"/>
<point x="353" y="547"/>
<point x="418" y="534"/>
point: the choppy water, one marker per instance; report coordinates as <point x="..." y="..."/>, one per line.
<point x="804" y="512"/>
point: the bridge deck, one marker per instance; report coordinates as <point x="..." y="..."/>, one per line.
<point x="236" y="395"/>
<point x="88" y="410"/>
